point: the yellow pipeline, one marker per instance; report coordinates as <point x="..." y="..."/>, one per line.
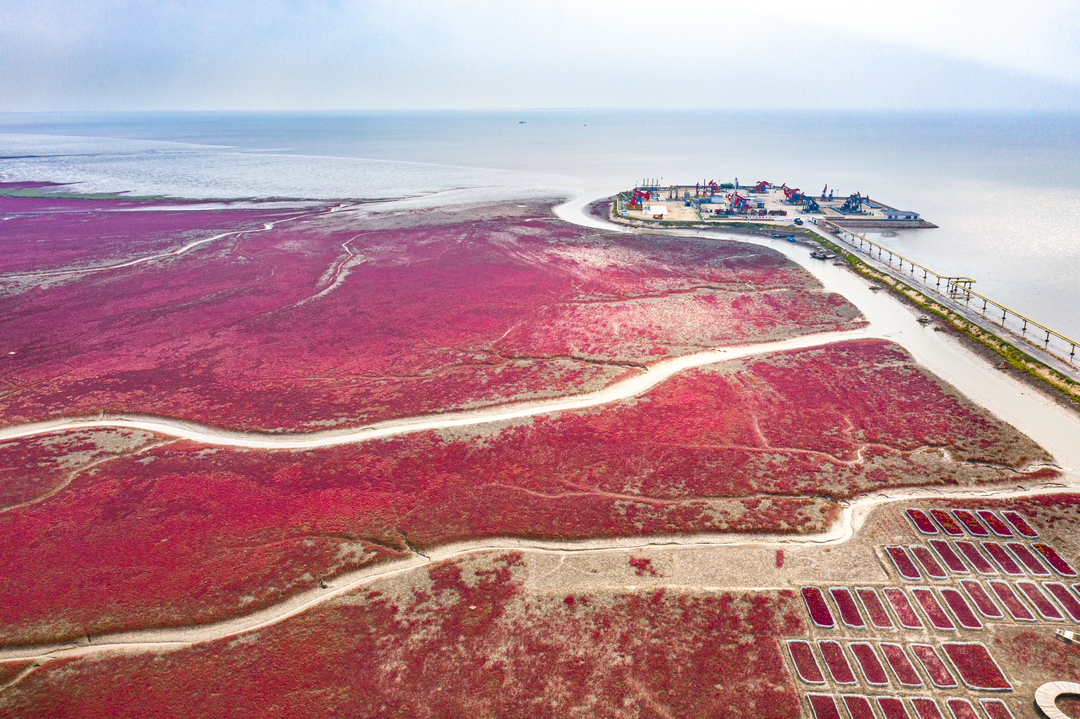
<point x="956" y="281"/>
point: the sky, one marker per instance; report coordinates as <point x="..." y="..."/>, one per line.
<point x="116" y="55"/>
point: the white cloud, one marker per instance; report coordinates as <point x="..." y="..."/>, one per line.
<point x="1037" y="38"/>
<point x="285" y="54"/>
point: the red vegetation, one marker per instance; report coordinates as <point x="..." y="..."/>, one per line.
<point x="1039" y="655"/>
<point x="922" y="521"/>
<point x="929" y="564"/>
<point x="960" y="608"/>
<point x="1029" y="560"/>
<point x="726" y="448"/>
<point x="49" y="202"/>
<point x="994" y="522"/>
<point x="977" y="668"/>
<point x="978" y="560"/>
<point x="935" y="668"/>
<point x="833" y="654"/>
<point x="902" y="606"/>
<point x="818" y="608"/>
<point x="1056" y="561"/>
<point x="869" y="662"/>
<point x="1042" y="604"/>
<point x="357" y="320"/>
<point x="1046" y="512"/>
<point x="893" y="708"/>
<point x="952" y="561"/>
<point x="1002" y="557"/>
<point x="983" y="602"/>
<point x="970" y="522"/>
<point x="1065" y="598"/>
<point x="806" y="666"/>
<point x="57" y="234"/>
<point x="849" y="611"/>
<point x="1012" y="603"/>
<point x="947" y="523"/>
<point x="35" y="466"/>
<point x="933" y="609"/>
<point x="1020" y="524"/>
<point x="6" y="187"/>
<point x="961" y="708"/>
<point x="823" y="706"/>
<point x="859" y="706"/>
<point x="901" y="665"/>
<point x="779" y="558"/>
<point x="996" y="709"/>
<point x="186" y="533"/>
<point x="871" y="602"/>
<point x="926" y="708"/>
<point x="643" y="565"/>
<point x="469" y="642"/>
<point x="10" y="670"/>
<point x="903" y="563"/>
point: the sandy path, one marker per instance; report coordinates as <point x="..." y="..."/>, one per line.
<point x="1036" y="415"/>
<point x="624" y="389"/>
<point x="1053" y="427"/>
<point x="851" y="519"/>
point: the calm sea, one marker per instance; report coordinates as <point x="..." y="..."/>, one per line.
<point x="1004" y="188"/>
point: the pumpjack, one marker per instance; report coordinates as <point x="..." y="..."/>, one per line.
<point x="640" y="198"/>
<point x="853" y="204"/>
<point x="738" y="202"/>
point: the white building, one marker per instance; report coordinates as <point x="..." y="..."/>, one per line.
<point x="891" y="214"/>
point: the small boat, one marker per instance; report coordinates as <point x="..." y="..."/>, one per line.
<point x="822" y="255"/>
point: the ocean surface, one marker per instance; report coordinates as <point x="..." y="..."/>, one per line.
<point x="1004" y="189"/>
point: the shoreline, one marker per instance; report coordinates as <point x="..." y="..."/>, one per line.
<point x="1025" y="368"/>
<point x="1047" y="418"/>
<point x="963" y="357"/>
<point x="884" y="224"/>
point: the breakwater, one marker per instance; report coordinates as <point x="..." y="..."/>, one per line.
<point x="957" y="290"/>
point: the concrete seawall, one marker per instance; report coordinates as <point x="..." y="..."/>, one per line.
<point x="868" y="224"/>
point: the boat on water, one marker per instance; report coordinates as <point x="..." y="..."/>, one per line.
<point x="822" y="255"/>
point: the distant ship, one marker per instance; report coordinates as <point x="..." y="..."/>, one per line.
<point x="521" y="122"/>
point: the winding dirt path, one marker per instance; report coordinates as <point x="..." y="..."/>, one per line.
<point x="1054" y="428"/>
<point x="852" y="518"/>
<point x="624" y="389"/>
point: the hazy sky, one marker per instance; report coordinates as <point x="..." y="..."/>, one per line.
<point x="337" y="54"/>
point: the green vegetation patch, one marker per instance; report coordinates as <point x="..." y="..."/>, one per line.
<point x="1009" y="351"/>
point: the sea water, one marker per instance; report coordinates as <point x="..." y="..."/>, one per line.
<point x="1004" y="189"/>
